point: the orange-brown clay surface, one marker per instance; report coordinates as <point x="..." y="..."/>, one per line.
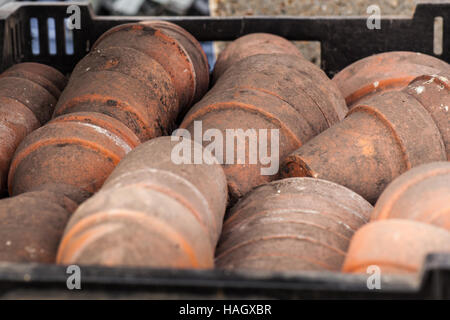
<point x="433" y="92"/>
<point x="385" y="72"/>
<point x="291" y="225"/>
<point x="395" y="246"/>
<point x="129" y="89"/>
<point x="250" y="45"/>
<point x="161" y="42"/>
<point x="377" y="141"/>
<point x="421" y="194"/>
<point x="28" y="94"/>
<point x="269" y="92"/>
<point x="150" y="212"/>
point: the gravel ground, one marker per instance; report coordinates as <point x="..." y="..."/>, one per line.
<point x="309" y="8"/>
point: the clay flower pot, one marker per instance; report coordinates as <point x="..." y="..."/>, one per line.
<point x="79" y="149"/>
<point x="389" y="134"/>
<point x="151" y="212"/>
<point x="178" y="53"/>
<point x="127" y="90"/>
<point x="28" y="94"/>
<point x="250" y="45"/>
<point x="395" y="246"/>
<point x="281" y="99"/>
<point x="31" y="224"/>
<point x="433" y="92"/>
<point x="291" y="225"/>
<point x="385" y="72"/>
<point x="421" y="194"/>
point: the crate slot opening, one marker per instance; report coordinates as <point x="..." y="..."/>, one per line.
<point x="68" y="38"/>
<point x="51" y="32"/>
<point x="34" y="33"/>
<point x="438" y="36"/>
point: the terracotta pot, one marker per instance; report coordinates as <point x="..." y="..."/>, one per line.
<point x="291" y="225"/>
<point x="421" y="194"/>
<point x="250" y="45"/>
<point x="151" y="212"/>
<point x="379" y="140"/>
<point x="265" y="92"/>
<point x="172" y="47"/>
<point x="31" y="226"/>
<point x="28" y="92"/>
<point x="385" y="72"/>
<point x="130" y="88"/>
<point x="126" y="85"/>
<point x="395" y="246"/>
<point x="433" y="92"/>
<point x="192" y="49"/>
<point x="79" y="149"/>
<point x="39" y="71"/>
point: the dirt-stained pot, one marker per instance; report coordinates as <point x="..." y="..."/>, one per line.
<point x="274" y="101"/>
<point x="378" y="140"/>
<point x="395" y="246"/>
<point x="249" y="45"/>
<point x="385" y="72"/>
<point x="28" y="94"/>
<point x="119" y="95"/>
<point x="421" y="194"/>
<point x="144" y="75"/>
<point x="78" y="149"/>
<point x="151" y="212"/>
<point x="291" y="225"/>
<point x="125" y="84"/>
<point x="179" y="54"/>
<point x="31" y="224"/>
<point x="122" y="93"/>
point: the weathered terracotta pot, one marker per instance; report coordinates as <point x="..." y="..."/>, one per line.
<point x="28" y="93"/>
<point x="385" y="72"/>
<point x="395" y="246"/>
<point x="78" y="149"/>
<point x="122" y="93"/>
<point x="192" y="49"/>
<point x="433" y="92"/>
<point x="421" y="194"/>
<point x="291" y="225"/>
<point x="250" y="45"/>
<point x="172" y="47"/>
<point x="379" y="140"/>
<point x="257" y="96"/>
<point x="150" y="212"/>
<point x="39" y="72"/>
<point x="124" y="84"/>
<point x="31" y="224"/>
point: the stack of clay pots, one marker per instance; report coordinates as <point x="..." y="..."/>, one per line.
<point x="292" y="225"/>
<point x="130" y="88"/>
<point x="389" y="71"/>
<point x="263" y="85"/>
<point x="382" y="136"/>
<point x="410" y="220"/>
<point x="298" y="159"/>
<point x="28" y="95"/>
<point x="399" y="123"/>
<point x="150" y="212"/>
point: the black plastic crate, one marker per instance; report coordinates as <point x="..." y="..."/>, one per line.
<point x="343" y="40"/>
